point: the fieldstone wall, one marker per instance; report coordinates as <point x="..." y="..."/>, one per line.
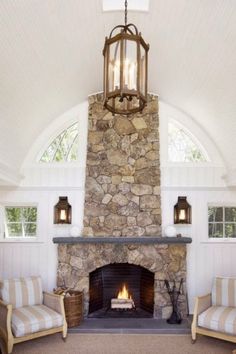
<point x="123" y="172"/>
<point x="76" y="261"/>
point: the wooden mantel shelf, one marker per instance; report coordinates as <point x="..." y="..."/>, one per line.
<point x="120" y="240"/>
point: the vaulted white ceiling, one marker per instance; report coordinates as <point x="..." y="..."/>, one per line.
<point x="51" y="59"/>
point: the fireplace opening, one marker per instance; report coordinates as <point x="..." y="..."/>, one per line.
<point x="121" y="290"/>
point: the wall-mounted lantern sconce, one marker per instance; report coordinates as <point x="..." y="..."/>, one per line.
<point x="62" y="211"/>
<point x="182" y="211"/>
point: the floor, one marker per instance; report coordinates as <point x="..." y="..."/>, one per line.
<point x="131" y="325"/>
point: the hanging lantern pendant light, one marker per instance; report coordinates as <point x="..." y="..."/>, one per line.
<point x="125" y="69"/>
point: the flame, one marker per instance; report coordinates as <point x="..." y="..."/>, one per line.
<point x="124" y="294"/>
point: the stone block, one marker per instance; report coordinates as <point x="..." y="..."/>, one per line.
<point x="133" y="231"/>
<point x="153" y="230"/>
<point x="115" y="221"/>
<point x="152" y="155"/>
<point x="103" y="179"/>
<point x="128" y="179"/>
<point x="87" y="231"/>
<point x="120" y="199"/>
<point x="127" y="170"/>
<point x="149" y="176"/>
<point x="132" y="209"/>
<point x="139" y="123"/>
<point x="107" y="198"/>
<point x="141" y="189"/>
<point x="116" y="179"/>
<point x="131" y="221"/>
<point x="116" y="157"/>
<point x="149" y="202"/>
<point x="123" y="126"/>
<point x="95" y="137"/>
<point x="144" y="219"/>
<point x="92" y="186"/>
<point x="124" y="187"/>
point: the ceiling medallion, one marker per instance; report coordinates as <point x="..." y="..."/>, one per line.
<point x="125" y="69"/>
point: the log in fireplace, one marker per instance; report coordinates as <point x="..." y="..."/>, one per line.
<point x="106" y="282"/>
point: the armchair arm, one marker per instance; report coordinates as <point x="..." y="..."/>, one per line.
<point x="55" y="302"/>
<point x="201" y="304"/>
<point x="5" y="321"/>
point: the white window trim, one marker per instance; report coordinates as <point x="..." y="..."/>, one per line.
<point x="19" y="239"/>
<point x="224" y="240"/>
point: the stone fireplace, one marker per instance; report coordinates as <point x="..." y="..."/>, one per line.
<point x="164" y="257"/>
<point x="122" y="216"/>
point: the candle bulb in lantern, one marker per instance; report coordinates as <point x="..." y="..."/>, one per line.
<point x="116" y="74"/>
<point x="182" y="215"/>
<point x="62" y="215"/>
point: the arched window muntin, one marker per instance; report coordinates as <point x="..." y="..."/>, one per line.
<point x="64" y="146"/>
<point x="183" y="146"/>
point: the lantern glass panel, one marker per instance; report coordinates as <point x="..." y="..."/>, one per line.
<point x="114" y="67"/>
<point x="142" y="70"/>
<point x="130" y="65"/>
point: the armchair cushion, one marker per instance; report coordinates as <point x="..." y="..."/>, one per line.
<point x="219" y="318"/>
<point x="224" y="292"/>
<point x="22" y="292"/>
<point x="31" y="319"/>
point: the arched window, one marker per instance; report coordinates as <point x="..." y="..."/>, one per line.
<point x="64" y="148"/>
<point x="183" y="146"/>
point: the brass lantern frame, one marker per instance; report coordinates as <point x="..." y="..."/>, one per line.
<point x="62" y="208"/>
<point x="184" y="208"/>
<point x="113" y="99"/>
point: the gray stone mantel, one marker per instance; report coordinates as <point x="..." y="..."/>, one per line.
<point x="123" y="240"/>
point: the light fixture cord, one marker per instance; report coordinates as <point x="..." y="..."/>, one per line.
<point x="126" y="5"/>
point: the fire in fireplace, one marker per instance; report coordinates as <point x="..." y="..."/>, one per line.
<point x="121" y="290"/>
<point x="123" y="301"/>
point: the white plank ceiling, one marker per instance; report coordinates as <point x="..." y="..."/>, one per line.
<point x="51" y="59"/>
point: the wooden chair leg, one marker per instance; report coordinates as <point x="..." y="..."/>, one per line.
<point x="9" y="347"/>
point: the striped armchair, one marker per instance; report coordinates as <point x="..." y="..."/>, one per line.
<point x="26" y="312"/>
<point x="215" y="313"/>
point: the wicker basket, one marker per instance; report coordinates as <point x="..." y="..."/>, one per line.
<point x="74" y="308"/>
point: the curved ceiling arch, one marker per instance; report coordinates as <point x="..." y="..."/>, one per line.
<point x="51" y="59"/>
